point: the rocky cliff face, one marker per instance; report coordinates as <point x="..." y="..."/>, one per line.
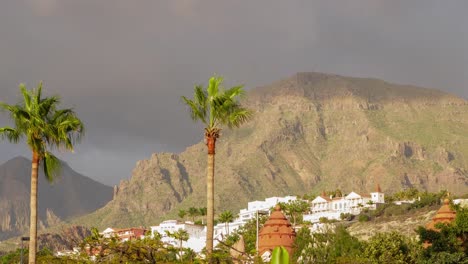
<point x="70" y="195"/>
<point x="66" y="239"/>
<point x="311" y="132"/>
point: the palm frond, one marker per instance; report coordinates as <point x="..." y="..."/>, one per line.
<point x="26" y="96"/>
<point x="38" y="94"/>
<point x="10" y="134"/>
<point x="197" y="112"/>
<point x="214" y="85"/>
<point x="216" y="106"/>
<point x="64" y="129"/>
<point x="201" y="100"/>
<point x="235" y="92"/>
<point x="239" y="116"/>
<point x="47" y="105"/>
<point x="52" y="166"/>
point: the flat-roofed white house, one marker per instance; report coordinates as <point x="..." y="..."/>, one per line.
<point x="197" y="234"/>
<point x="220" y="231"/>
<point x="252" y="207"/>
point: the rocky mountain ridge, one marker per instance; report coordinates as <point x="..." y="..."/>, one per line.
<point x="311" y="132"/>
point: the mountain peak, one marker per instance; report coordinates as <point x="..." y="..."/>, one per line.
<point x="70" y="195"/>
<point x="20" y="158"/>
<point x="322" y="87"/>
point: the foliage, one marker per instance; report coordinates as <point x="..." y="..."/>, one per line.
<point x="329" y="246"/>
<point x="215" y="106"/>
<point x="249" y="232"/>
<point x="182" y="213"/>
<point x="363" y="218"/>
<point x="110" y="250"/>
<point x="226" y="217"/>
<point x="421" y="198"/>
<point x="44" y="256"/>
<point x="407" y="194"/>
<point x="429" y="199"/>
<point x="324" y="220"/>
<point x="180" y="235"/>
<point x="295" y="209"/>
<point x="391" y="247"/>
<point x="279" y="256"/>
<point x="346" y="216"/>
<point x="449" y="244"/>
<point x="43" y="125"/>
<point x="193" y="212"/>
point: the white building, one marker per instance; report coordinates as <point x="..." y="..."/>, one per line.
<point x="197" y="234"/>
<point x="252" y="207"/>
<point x="461" y="202"/>
<point x="353" y="203"/>
<point x="125" y="234"/>
<point x="220" y="230"/>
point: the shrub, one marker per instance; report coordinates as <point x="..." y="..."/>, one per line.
<point x="346" y="216"/>
<point x="394" y="210"/>
<point x="363" y="218"/>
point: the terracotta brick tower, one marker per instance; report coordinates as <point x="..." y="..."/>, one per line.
<point x="277" y="231"/>
<point x="443" y="215"/>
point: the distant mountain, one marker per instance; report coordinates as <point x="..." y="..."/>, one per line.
<point x="72" y="194"/>
<point x="311" y="132"/>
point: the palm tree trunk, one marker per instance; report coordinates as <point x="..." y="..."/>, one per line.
<point x="33" y="208"/>
<point x="211" y="141"/>
<point x="180" y="250"/>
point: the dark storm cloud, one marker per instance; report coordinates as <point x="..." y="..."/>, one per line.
<point x="123" y="65"/>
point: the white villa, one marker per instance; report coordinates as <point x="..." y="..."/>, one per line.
<point x="353" y="203"/>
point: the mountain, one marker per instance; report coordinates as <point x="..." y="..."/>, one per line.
<point x="311" y="132"/>
<point x="70" y="195"/>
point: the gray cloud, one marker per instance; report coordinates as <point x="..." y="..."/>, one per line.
<point x="123" y="65"/>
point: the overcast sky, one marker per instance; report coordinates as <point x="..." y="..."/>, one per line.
<point x="123" y="65"/>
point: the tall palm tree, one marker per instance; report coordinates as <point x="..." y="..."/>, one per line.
<point x="226" y="217"/>
<point x="215" y="107"/>
<point x="45" y="127"/>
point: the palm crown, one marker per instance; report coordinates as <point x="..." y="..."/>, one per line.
<point x="43" y="125"/>
<point x="216" y="106"/>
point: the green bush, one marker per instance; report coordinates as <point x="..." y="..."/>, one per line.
<point x="391" y="247"/>
<point x="364" y="218"/>
<point x="346" y="216"/>
<point x="395" y="210"/>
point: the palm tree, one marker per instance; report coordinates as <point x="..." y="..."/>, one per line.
<point x="226" y="217"/>
<point x="180" y="235"/>
<point x="202" y="213"/>
<point x="193" y="212"/>
<point x="44" y="126"/>
<point x="182" y="214"/>
<point x="215" y="107"/>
